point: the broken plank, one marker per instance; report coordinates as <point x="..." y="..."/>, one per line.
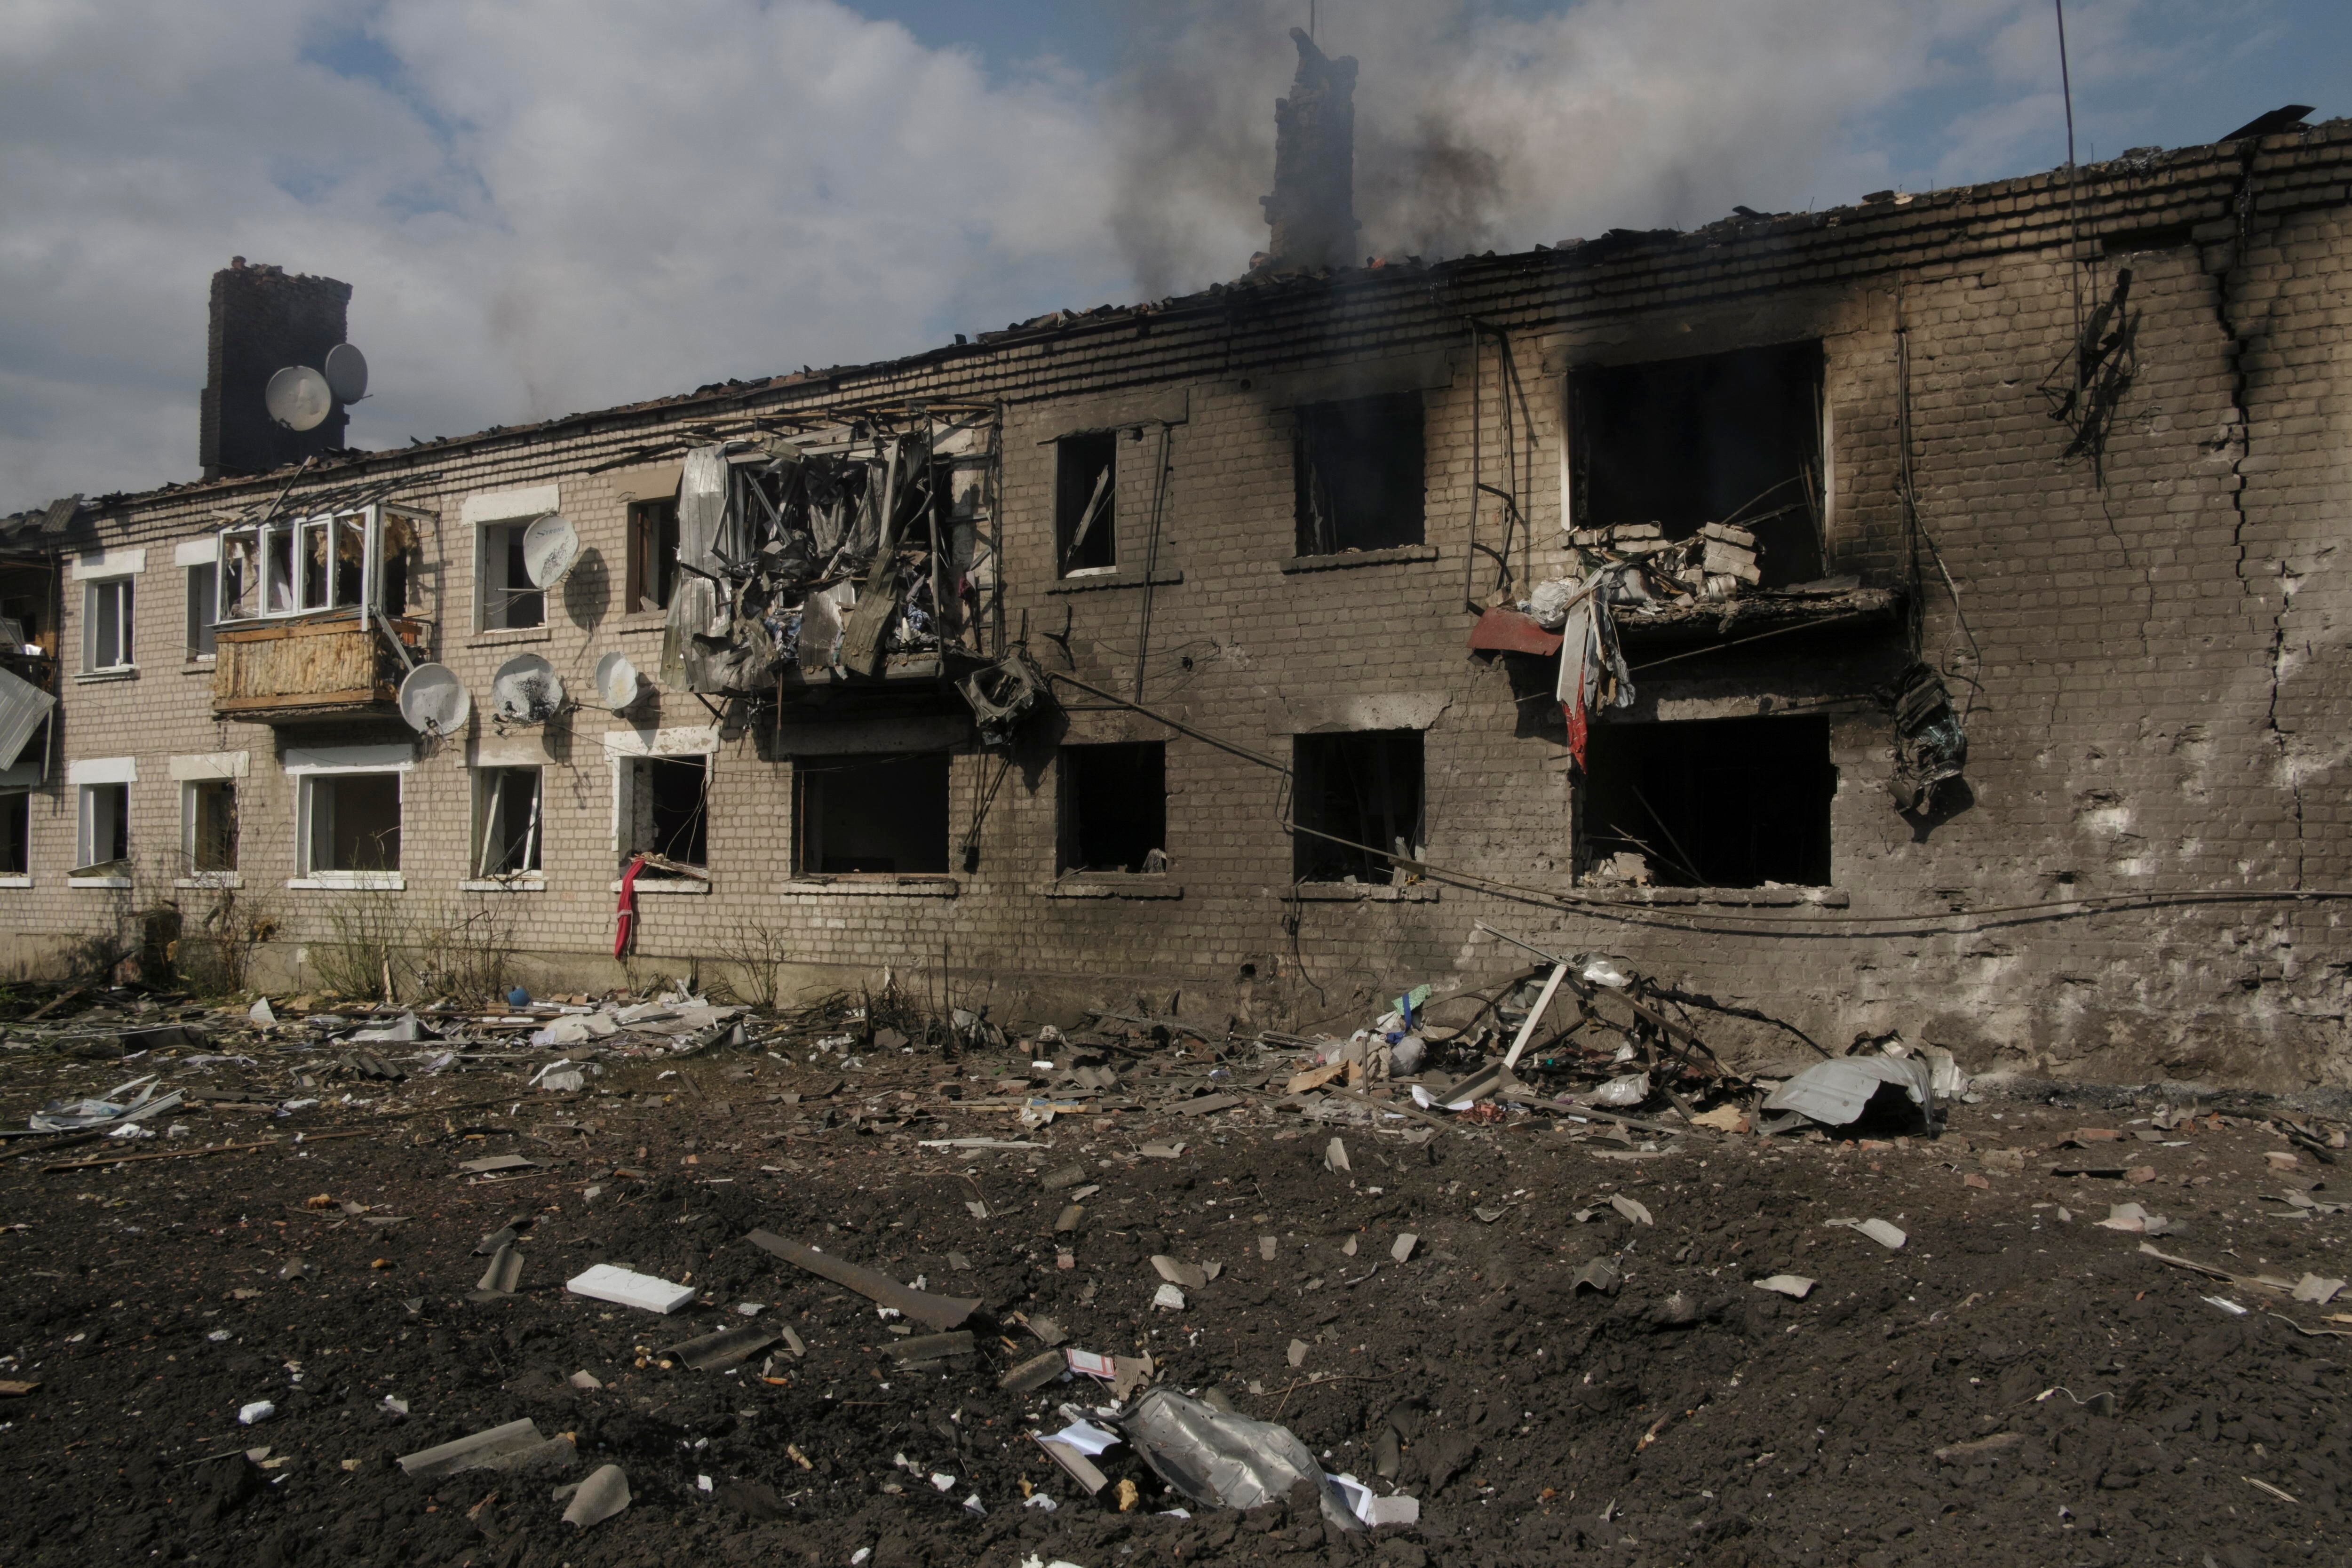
<point x="168" y="1155"/>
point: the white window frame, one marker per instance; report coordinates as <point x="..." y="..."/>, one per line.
<point x="624" y="749"/>
<point x="188" y="772"/>
<point x="89" y="774"/>
<point x="192" y="557"/>
<point x="486" y="805"/>
<point x="270" y="605"/>
<point x="305" y="767"/>
<point x="125" y="584"/>
<point x="487" y="515"/>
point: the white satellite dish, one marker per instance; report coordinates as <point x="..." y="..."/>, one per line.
<point x="346" y="372"/>
<point x="297" y="398"/>
<point x="433" y="701"/>
<point x="617" y="682"/>
<point x="526" y="691"/>
<point x="549" y="546"/>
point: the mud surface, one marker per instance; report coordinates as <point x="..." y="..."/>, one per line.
<point x="1691" y="1418"/>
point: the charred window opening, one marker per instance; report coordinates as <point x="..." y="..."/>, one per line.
<point x="667" y="809"/>
<point x="1729" y="438"/>
<point x="508" y="599"/>
<point x="105" y="829"/>
<point x="1355" y="793"/>
<point x="1086" y="502"/>
<point x="210" y="810"/>
<point x="16" y="834"/>
<point x="507" y="806"/>
<point x="1711" y="803"/>
<point x="352" y="823"/>
<point x="653" y="554"/>
<point x="1115" y="807"/>
<point x="1359" y="474"/>
<point x="873" y="815"/>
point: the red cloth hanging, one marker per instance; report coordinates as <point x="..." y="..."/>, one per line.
<point x="626" y="926"/>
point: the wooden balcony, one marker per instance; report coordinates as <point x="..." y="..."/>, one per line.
<point x="303" y="671"/>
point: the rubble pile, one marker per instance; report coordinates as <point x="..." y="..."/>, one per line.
<point x="1522" y="1268"/>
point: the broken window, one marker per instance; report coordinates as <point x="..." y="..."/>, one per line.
<point x="107" y="625"/>
<point x="1710" y="803"/>
<point x="506" y="807"/>
<point x="304" y="565"/>
<point x="1356" y="795"/>
<point x="1086" y="502"/>
<point x="208" y="824"/>
<point x="28" y="605"/>
<point x="203" y="608"/>
<point x="351" y="824"/>
<point x="653" y="552"/>
<point x="873" y="815"/>
<point x="1359" y="474"/>
<point x="508" y="598"/>
<point x="1728" y="438"/>
<point x="102" y="844"/>
<point x="1115" y="807"/>
<point x="666" y="811"/>
<point x="17" y="834"/>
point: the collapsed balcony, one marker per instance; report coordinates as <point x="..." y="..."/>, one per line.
<point x="855" y="551"/>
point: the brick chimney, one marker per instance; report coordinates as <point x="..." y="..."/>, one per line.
<point x="263" y="319"/>
<point x="1313" y="209"/>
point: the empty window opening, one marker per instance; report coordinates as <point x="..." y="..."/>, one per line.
<point x="1086" y="502"/>
<point x="506" y="812"/>
<point x="104" y="841"/>
<point x="668" y="811"/>
<point x="208" y="826"/>
<point x="509" y="600"/>
<point x="28" y="608"/>
<point x="1731" y="437"/>
<point x="353" y="823"/>
<point x="107" y="625"/>
<point x="1355" y="795"/>
<point x="1115" y="807"/>
<point x="203" y="608"/>
<point x="877" y="815"/>
<point x="1713" y="803"/>
<point x="1358" y="471"/>
<point x="653" y="554"/>
<point x="17" y="834"/>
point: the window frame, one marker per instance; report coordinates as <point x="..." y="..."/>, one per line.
<point x="203" y="609"/>
<point x="124" y="586"/>
<point x="1069" y="825"/>
<point x="85" y="872"/>
<point x="1071" y="510"/>
<point x="494" y="585"/>
<point x="626" y="748"/>
<point x="652" y="525"/>
<point x="197" y="874"/>
<point x="487" y="820"/>
<point x="291" y="532"/>
<point x="808" y="845"/>
<point x="305" y="768"/>
<point x="1308" y="772"/>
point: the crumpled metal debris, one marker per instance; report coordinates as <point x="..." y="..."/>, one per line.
<point x="1931" y="746"/>
<point x="1836" y="1093"/>
<point x="1220" y="1458"/>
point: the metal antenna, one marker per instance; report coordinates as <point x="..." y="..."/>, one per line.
<point x="2073" y="211"/>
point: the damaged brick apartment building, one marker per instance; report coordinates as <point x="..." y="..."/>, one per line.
<point x="1924" y="614"/>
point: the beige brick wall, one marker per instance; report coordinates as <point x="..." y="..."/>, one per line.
<point x="2156" y="704"/>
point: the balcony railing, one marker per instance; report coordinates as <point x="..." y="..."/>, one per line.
<point x="332" y="666"/>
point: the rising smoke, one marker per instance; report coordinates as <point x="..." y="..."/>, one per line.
<point x="1479" y="128"/>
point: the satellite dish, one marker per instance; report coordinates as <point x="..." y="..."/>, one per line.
<point x="549" y="546"/>
<point x="297" y="398"/>
<point x="346" y="372"/>
<point x="433" y="701"/>
<point x="617" y="682"/>
<point x="526" y="691"/>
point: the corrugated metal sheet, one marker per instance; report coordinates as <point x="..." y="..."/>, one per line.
<point x="24" y="708"/>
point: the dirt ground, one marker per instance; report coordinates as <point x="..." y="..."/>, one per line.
<point x="2015" y="1384"/>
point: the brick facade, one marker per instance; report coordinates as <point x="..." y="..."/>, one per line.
<point x="2148" y="661"/>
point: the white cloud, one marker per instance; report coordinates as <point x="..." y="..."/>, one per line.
<point x="546" y="206"/>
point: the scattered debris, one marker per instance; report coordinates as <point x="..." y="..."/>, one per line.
<point x="1220" y="1458"/>
<point x="1796" y="1286"/>
<point x="940" y="1312"/>
<point x="604" y="1493"/>
<point x="627" y="1289"/>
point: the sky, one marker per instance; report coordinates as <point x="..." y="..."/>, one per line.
<point x="550" y="206"/>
